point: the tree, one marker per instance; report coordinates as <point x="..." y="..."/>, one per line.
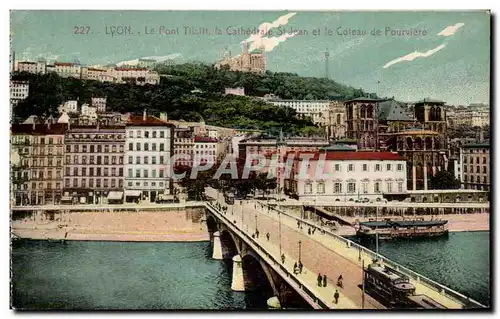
<point x="444" y="180"/>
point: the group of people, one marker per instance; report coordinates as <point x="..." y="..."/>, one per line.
<point x="322" y="283"/>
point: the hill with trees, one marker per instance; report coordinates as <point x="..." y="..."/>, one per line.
<point x="190" y="92"/>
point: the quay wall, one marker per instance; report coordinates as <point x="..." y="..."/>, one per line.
<point x="187" y="224"/>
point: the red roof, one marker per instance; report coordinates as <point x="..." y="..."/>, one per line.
<point x="201" y="139"/>
<point x="64" y="63"/>
<point x="353" y="156"/>
<point x="138" y="120"/>
<point x="39" y="129"/>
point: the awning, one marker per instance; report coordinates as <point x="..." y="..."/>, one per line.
<point x="166" y="197"/>
<point x="133" y="193"/>
<point x="66" y="198"/>
<point x="115" y="195"/>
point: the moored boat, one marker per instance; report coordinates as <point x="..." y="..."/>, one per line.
<point x="392" y="229"/>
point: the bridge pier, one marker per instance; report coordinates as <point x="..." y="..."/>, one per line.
<point x="238" y="282"/>
<point x="217" y="247"/>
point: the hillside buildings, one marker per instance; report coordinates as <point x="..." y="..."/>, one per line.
<point x="475" y="166"/>
<point x="19" y="90"/>
<point x="313" y="109"/>
<point x="205" y="151"/>
<point x="254" y="61"/>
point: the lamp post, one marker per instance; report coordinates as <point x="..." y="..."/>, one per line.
<point x="256" y="223"/>
<point x="300" y="246"/>
<point x="376" y="232"/>
<point x="279" y="226"/>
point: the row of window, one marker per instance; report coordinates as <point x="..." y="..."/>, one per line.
<point x="478" y="179"/>
<point x="365" y="167"/>
<point x="145" y="173"/>
<point x="146" y="147"/>
<point x="49" y="140"/>
<point x="98" y="160"/>
<point x="41" y="162"/>
<point x="145" y="160"/>
<point x="146" y="184"/>
<point x="154" y="134"/>
<point x="41" y="150"/>
<point x="41" y="174"/>
<point x="94" y="171"/>
<point x="351" y="187"/>
<point x="478" y="169"/>
<point x="42" y="185"/>
<point x="93" y="148"/>
<point x="472" y="160"/>
<point x="94" y="182"/>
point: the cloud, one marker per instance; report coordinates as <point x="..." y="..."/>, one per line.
<point x="269" y="43"/>
<point x="451" y="29"/>
<point x="156" y="58"/>
<point x="414" y="55"/>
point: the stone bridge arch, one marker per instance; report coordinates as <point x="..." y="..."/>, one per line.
<point x="249" y="257"/>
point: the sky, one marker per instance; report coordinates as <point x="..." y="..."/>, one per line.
<point x="409" y="55"/>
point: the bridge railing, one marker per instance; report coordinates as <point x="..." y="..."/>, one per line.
<point x="276" y="263"/>
<point x="443" y="290"/>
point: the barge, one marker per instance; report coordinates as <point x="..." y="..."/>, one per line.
<point x="391" y="229"/>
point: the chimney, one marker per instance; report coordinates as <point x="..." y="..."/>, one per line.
<point x="144" y="115"/>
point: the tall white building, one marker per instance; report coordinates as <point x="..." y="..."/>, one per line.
<point x="99" y="103"/>
<point x="66" y="69"/>
<point x="135" y="75"/>
<point x="347" y="176"/>
<point x="19" y="90"/>
<point x="148" y="148"/>
<point x="205" y="151"/>
<point x="69" y="107"/>
<point x="89" y="111"/>
<point x="315" y="109"/>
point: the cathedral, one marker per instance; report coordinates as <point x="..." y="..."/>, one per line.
<point x="254" y="61"/>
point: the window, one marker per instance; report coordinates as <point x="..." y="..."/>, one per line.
<point x="365" y="187"/>
<point x="113" y="171"/>
<point x="465" y="169"/>
<point x="153" y="160"/>
<point x="75" y="148"/>
<point x="307" y="188"/>
<point x="84" y="171"/>
<point x="162" y="148"/>
<point x="75" y="182"/>
<point x="161" y="173"/>
<point x="478" y="170"/>
<point x="146" y="134"/>
<point x="66" y="182"/>
<point x="75" y="171"/>
<point x="377" y="167"/>
<point x="120" y="171"/>
<point x="337" y="168"/>
<point x="146" y="146"/>
<point x="68" y="173"/>
<point x="389" y="168"/>
<point x="130" y="160"/>
<point x="389" y="187"/>
<point x="130" y="146"/>
<point x="484" y="160"/>
<point x="84" y="183"/>
<point x="484" y="169"/>
<point x="130" y="172"/>
<point x="106" y="171"/>
<point x="162" y="134"/>
<point x="365" y="167"/>
<point x="400" y="187"/>
<point x="99" y="148"/>
<point x="478" y="179"/>
<point x="154" y="134"/>
<point x="105" y="182"/>
<point x="351" y="187"/>
<point x="145" y="173"/>
<point x="113" y="183"/>
<point x="161" y="159"/>
<point x="138" y="146"/>
<point x="337" y="188"/>
<point x="153" y="173"/>
<point x="137" y="173"/>
<point x="320" y="188"/>
<point x="138" y="134"/>
<point x="400" y="167"/>
<point x="376" y="187"/>
<point x="99" y="160"/>
<point x="120" y="160"/>
<point x="106" y="160"/>
<point x="485" y="180"/>
<point x="477" y="160"/>
<point x="153" y="147"/>
<point x="131" y="134"/>
<point x="350" y="168"/>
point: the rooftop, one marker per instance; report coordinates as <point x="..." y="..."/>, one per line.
<point x="202" y="139"/>
<point x="338" y="147"/>
<point x="428" y="100"/>
<point x="363" y="99"/>
<point x="391" y="110"/>
<point x="476" y="145"/>
<point x="139" y="120"/>
<point x="64" y="64"/>
<point x="39" y="129"/>
<point x="352" y="156"/>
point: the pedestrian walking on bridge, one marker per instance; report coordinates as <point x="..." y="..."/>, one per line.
<point x="324" y="280"/>
<point x="282" y="258"/>
<point x="267" y="235"/>
<point x="319" y="280"/>
<point x="336" y="296"/>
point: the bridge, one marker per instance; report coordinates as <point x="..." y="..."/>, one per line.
<point x="321" y="252"/>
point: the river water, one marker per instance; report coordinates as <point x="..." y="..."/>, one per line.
<point x="114" y="275"/>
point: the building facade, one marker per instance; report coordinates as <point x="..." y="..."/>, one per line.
<point x="334" y="121"/>
<point x="475" y="166"/>
<point x="346" y="176"/>
<point x="313" y="109"/>
<point x="37" y="163"/>
<point x="254" y="61"/>
<point x="31" y="67"/>
<point x="205" y="151"/>
<point x="99" y="103"/>
<point x="361" y="120"/>
<point x="149" y="147"/>
<point x="184" y="144"/>
<point x="19" y="90"/>
<point x="93" y="163"/>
